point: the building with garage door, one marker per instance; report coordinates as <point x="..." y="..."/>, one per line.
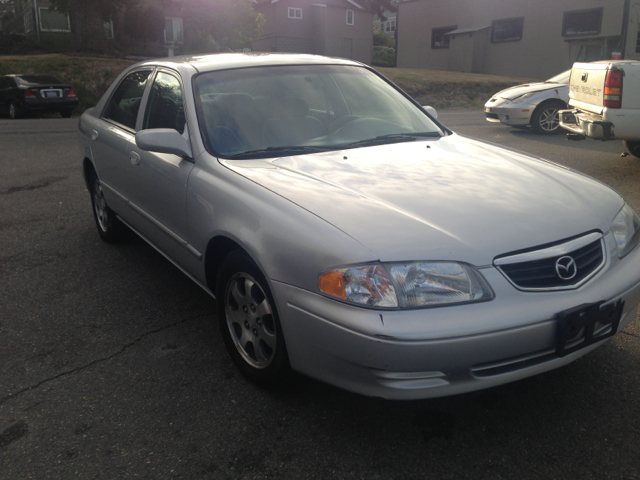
<point x="514" y="37"/>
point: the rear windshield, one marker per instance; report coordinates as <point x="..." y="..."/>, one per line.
<point x="321" y="107"/>
<point x="36" y="79"/>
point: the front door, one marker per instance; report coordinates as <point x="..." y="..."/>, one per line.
<point x="161" y="178"/>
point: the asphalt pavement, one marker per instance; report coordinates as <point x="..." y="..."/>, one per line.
<point x="112" y="366"/>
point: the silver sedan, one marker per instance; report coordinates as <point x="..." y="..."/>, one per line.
<point x="346" y="234"/>
<point x="535" y="104"/>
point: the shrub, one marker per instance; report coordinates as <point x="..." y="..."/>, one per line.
<point x="384" y="57"/>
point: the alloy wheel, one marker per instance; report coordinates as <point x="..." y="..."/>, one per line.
<point x="250" y="320"/>
<point x="100" y="207"/>
<point x="549" y="119"/>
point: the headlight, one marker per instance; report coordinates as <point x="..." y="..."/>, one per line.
<point x="626" y="230"/>
<point x="407" y="284"/>
<point x="522" y="98"/>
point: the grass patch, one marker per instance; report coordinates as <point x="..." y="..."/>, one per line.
<point x="443" y="89"/>
<point x="90" y="76"/>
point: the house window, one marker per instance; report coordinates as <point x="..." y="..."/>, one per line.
<point x="350" y="17"/>
<point x="27" y="22"/>
<point x="295" y="13"/>
<point x="52" y="21"/>
<point x="173" y="32"/>
<point x="507" y="30"/>
<point x="582" y="22"/>
<point x="438" y="37"/>
<point x="390" y="25"/>
<point x="108" y="29"/>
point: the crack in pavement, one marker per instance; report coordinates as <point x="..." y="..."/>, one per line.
<point x="99" y="360"/>
<point x="43" y="183"/>
<point x="631" y="334"/>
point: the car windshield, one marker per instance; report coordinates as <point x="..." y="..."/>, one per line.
<point x="37" y="79"/>
<point x="287" y="110"/>
<point x="560" y="78"/>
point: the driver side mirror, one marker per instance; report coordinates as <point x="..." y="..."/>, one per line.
<point x="430" y="110"/>
<point x="165" y="140"/>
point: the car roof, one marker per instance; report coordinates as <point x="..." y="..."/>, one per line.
<point x="223" y="61"/>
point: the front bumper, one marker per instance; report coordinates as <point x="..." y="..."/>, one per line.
<point x="583" y="125"/>
<point x="508" y="116"/>
<point x="435" y="352"/>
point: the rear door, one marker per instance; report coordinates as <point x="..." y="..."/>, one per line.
<point x="110" y="137"/>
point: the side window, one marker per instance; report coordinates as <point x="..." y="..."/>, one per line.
<point x="125" y="102"/>
<point x="165" y="108"/>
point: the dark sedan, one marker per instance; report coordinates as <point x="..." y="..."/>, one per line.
<point x="34" y="94"/>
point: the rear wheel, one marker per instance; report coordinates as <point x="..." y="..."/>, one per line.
<point x="110" y="229"/>
<point x="14" y="111"/>
<point x="633" y="147"/>
<point x="249" y="321"/>
<point x="546" y="119"/>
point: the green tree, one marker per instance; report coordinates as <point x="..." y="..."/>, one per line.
<point x="231" y="23"/>
<point x="378" y="7"/>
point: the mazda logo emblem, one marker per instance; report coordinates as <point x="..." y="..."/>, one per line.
<point x="566" y="268"/>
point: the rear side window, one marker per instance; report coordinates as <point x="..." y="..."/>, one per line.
<point x="125" y="102"/>
<point x="165" y="108"/>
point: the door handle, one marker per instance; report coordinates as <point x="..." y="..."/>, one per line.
<point x="134" y="158"/>
<point x="94" y="134"/>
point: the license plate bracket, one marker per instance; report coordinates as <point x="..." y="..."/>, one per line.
<point x="577" y="326"/>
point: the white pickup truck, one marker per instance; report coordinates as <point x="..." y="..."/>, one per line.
<point x="605" y="102"/>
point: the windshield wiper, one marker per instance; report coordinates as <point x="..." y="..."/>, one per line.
<point x="274" y="151"/>
<point x="395" y="138"/>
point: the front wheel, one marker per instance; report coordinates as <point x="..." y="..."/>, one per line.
<point x="546" y="119"/>
<point x="249" y="322"/>
<point x="110" y="229"/>
<point x="633" y="147"/>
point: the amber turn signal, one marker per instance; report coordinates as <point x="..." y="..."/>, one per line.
<point x="332" y="283"/>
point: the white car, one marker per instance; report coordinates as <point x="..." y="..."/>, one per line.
<point x="348" y="235"/>
<point x="535" y="104"/>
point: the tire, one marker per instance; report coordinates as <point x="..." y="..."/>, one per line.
<point x="249" y="322"/>
<point x="110" y="229"/>
<point x="14" y="111"/>
<point x="633" y="147"/>
<point x="66" y="114"/>
<point x="545" y="119"/>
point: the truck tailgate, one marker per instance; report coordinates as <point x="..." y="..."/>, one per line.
<point x="586" y="86"/>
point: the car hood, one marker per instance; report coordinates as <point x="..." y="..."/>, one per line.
<point x="452" y="198"/>
<point x="519" y="90"/>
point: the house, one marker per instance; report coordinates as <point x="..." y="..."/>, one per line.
<point x="514" y="37"/>
<point x="35" y="20"/>
<point x="337" y="28"/>
<point x="388" y="26"/>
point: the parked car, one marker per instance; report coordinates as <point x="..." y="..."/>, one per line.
<point x="348" y="235"/>
<point x="605" y="103"/>
<point x="36" y="94"/>
<point x="534" y="104"/>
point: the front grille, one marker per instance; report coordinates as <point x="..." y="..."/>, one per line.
<point x="542" y="274"/>
<point x="492" y="115"/>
